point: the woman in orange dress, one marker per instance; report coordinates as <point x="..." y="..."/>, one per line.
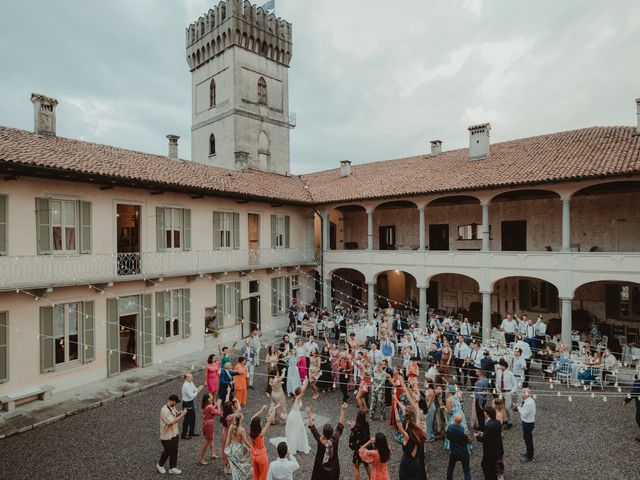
<point x="259" y="458"/>
<point x="378" y="457"/>
<point x="240" y="381"/>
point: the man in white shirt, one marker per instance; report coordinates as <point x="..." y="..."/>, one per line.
<point x="284" y="466"/>
<point x="510" y="327"/>
<point x="169" y="418"/>
<point x="434" y="323"/>
<point x="541" y="332"/>
<point x="370" y="332"/>
<point x="609" y="363"/>
<point x="465" y="330"/>
<point x="255" y="339"/>
<point x="375" y="356"/>
<point x="505" y="386"/>
<point x="522" y="325"/>
<point x="528" y="418"/>
<point x="461" y="353"/>
<point x="525" y="348"/>
<point x="189" y="394"/>
<point x="388" y="349"/>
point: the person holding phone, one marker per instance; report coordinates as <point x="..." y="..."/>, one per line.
<point x="170" y="435"/>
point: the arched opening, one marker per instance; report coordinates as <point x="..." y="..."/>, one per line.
<point x="455" y="294"/>
<point x="465" y="234"/>
<point x="396" y="289"/>
<point x="348" y="228"/>
<point x="526" y="220"/>
<point x="348" y="287"/>
<point x="264" y="157"/>
<point x="212" y="144"/>
<point x="613" y="307"/>
<point x="212" y="93"/>
<point x="208" y="51"/>
<point x="262" y="91"/>
<point x="395" y="226"/>
<point x="245" y="40"/>
<point x="606" y="217"/>
<point x="198" y="57"/>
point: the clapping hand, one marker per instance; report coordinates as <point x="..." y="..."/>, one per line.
<point x="308" y="410"/>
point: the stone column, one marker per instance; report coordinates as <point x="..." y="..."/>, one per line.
<point x="371" y="302"/>
<point x="422" y="305"/>
<point x="325" y="230"/>
<point x="369" y="229"/>
<point x="326" y="298"/>
<point x="485" y="227"/>
<point x="566" y="224"/>
<point x="423" y="237"/>
<point x="486" y="316"/>
<point x="566" y="322"/>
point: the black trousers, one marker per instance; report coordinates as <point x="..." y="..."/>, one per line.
<point x="489" y="468"/>
<point x="189" y="425"/>
<point x="527" y="433"/>
<point x="170" y="451"/>
<point x="344" y="379"/>
<point x="509" y="337"/>
<point x="480" y="415"/>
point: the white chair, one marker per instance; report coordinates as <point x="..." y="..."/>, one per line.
<point x="596" y="371"/>
<point x="563" y="376"/>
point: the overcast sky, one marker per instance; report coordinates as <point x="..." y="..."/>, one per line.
<point x="369" y="80"/>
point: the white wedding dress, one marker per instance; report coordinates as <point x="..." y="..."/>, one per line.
<point x="295" y="431"/>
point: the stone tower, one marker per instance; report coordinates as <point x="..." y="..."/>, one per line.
<point x="239" y="58"/>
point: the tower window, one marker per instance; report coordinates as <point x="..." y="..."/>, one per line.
<point x="262" y="91"/>
<point x="212" y="144"/>
<point x="212" y="93"/>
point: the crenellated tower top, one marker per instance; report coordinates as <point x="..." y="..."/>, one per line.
<point x="239" y="23"/>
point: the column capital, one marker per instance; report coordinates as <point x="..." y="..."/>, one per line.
<point x="565" y="198"/>
<point x="371" y="284"/>
<point x="420" y="287"/>
<point x="485" y="292"/>
<point x="566" y="298"/>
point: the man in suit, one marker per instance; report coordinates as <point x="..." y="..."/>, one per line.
<point x="488" y="364"/>
<point x="492" y="448"/>
<point x="505" y="386"/>
<point x="635" y="395"/>
<point x="458" y="448"/>
<point x="481" y="396"/>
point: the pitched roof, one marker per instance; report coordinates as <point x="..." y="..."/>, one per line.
<point x="85" y="159"/>
<point x="563" y="156"/>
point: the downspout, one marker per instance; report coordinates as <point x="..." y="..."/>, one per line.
<point x="322" y="289"/>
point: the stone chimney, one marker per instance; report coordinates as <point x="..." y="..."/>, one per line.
<point x="345" y="168"/>
<point x="173" y="147"/>
<point x="44" y="114"/>
<point x="479" y="142"/>
<point x="436" y="147"/>
<point x="242" y="161"/>
<point x="638" y="115"/>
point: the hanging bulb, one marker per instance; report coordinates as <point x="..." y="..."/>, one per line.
<point x="559" y="394"/>
<point x="86" y="347"/>
<point x="570" y="399"/>
<point x="604" y="399"/>
<point x="110" y="352"/>
<point x="133" y="358"/>
<point x="593" y="395"/>
<point x="619" y="389"/>
<point x="551" y="386"/>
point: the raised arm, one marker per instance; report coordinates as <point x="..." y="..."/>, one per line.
<point x="401" y="429"/>
<point x="259" y="412"/>
<point x="304" y="387"/>
<point x="270" y="420"/>
<point x="343" y="410"/>
<point x="309" y="417"/>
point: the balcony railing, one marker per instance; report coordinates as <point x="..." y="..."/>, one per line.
<point x="37" y="271"/>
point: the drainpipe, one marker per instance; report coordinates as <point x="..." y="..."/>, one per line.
<point x="322" y="289"/>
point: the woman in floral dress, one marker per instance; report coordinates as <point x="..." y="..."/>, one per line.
<point x="236" y="450"/>
<point x="378" y="407"/>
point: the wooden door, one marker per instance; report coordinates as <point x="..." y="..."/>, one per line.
<point x="439" y="236"/>
<point x="514" y="236"/>
<point x="387" y="237"/>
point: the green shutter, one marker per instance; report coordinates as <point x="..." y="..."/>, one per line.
<point x="47" y="350"/>
<point x="113" y="338"/>
<point x="186" y="312"/>
<point x="216" y="229"/>
<point x="160" y="338"/>
<point x="3" y="225"/>
<point x="287" y="235"/>
<point x="220" y="304"/>
<point x="236" y="231"/>
<point x="524" y="290"/>
<point x="147" y="334"/>
<point x="274" y="230"/>
<point x="238" y="298"/>
<point x="85" y="227"/>
<point x="43" y="226"/>
<point x="287" y="287"/>
<point x="186" y="224"/>
<point x="161" y="241"/>
<point x="4" y="347"/>
<point x="88" y="332"/>
<point x="274" y="296"/>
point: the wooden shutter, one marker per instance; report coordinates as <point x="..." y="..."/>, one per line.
<point x="238" y="300"/>
<point x="47" y="349"/>
<point x="274" y="296"/>
<point x="524" y="288"/>
<point x="186" y="312"/>
<point x="274" y="231"/>
<point x="4" y="347"/>
<point x="287" y="291"/>
<point x="160" y="313"/>
<point x="146" y="340"/>
<point x="552" y="298"/>
<point x="220" y="304"/>
<point x="161" y="241"/>
<point x="43" y="226"/>
<point x="85" y="227"/>
<point x="186" y="229"/>
<point x="612" y="300"/>
<point x="113" y="338"/>
<point x="216" y="229"/>
<point x="88" y="332"/>
<point x="3" y="225"/>
<point x="287" y="235"/>
<point x="236" y="231"/>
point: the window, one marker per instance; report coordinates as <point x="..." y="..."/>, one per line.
<point x="212" y="93"/>
<point x="472" y="231"/>
<point x="211" y="320"/>
<point x="538" y="295"/>
<point x="3" y="226"/>
<point x="4" y="347"/>
<point x="280" y="231"/>
<point x="262" y="91"/>
<point x="66" y="333"/>
<point x="212" y="144"/>
<point x="63" y="226"/>
<point x="280" y="294"/>
<point x="173" y="228"/>
<point x="226" y="230"/>
<point x="228" y="298"/>
<point x="172" y="313"/>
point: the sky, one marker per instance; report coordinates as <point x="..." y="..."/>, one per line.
<point x="369" y="79"/>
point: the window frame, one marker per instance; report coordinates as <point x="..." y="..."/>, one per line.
<point x="280" y="231"/>
<point x="212" y="145"/>
<point x="67" y="362"/>
<point x="170" y="227"/>
<point x="63" y="226"/>
<point x="263" y="98"/>
<point x="173" y="302"/>
<point x="212" y="93"/>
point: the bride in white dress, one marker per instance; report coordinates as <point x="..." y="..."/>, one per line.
<point x="295" y="429"/>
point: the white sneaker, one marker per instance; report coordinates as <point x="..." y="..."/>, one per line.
<point x="175" y="471"/>
<point x="160" y="468"/>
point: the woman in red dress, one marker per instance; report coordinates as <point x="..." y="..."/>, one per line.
<point x="213" y="374"/>
<point x="259" y="458"/>
<point x="209" y="412"/>
<point x="396" y="383"/>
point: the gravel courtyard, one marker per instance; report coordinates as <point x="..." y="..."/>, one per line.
<point x="582" y="439"/>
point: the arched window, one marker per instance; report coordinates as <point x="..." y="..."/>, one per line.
<point x="212" y="93"/>
<point x="212" y="144"/>
<point x="262" y="91"/>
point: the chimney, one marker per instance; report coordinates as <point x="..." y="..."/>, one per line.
<point x="345" y="168"/>
<point x="638" y="115"/>
<point x="44" y="114"/>
<point x="479" y="141"/>
<point x="436" y="147"/>
<point x="173" y="147"/>
<point x="242" y="161"/>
